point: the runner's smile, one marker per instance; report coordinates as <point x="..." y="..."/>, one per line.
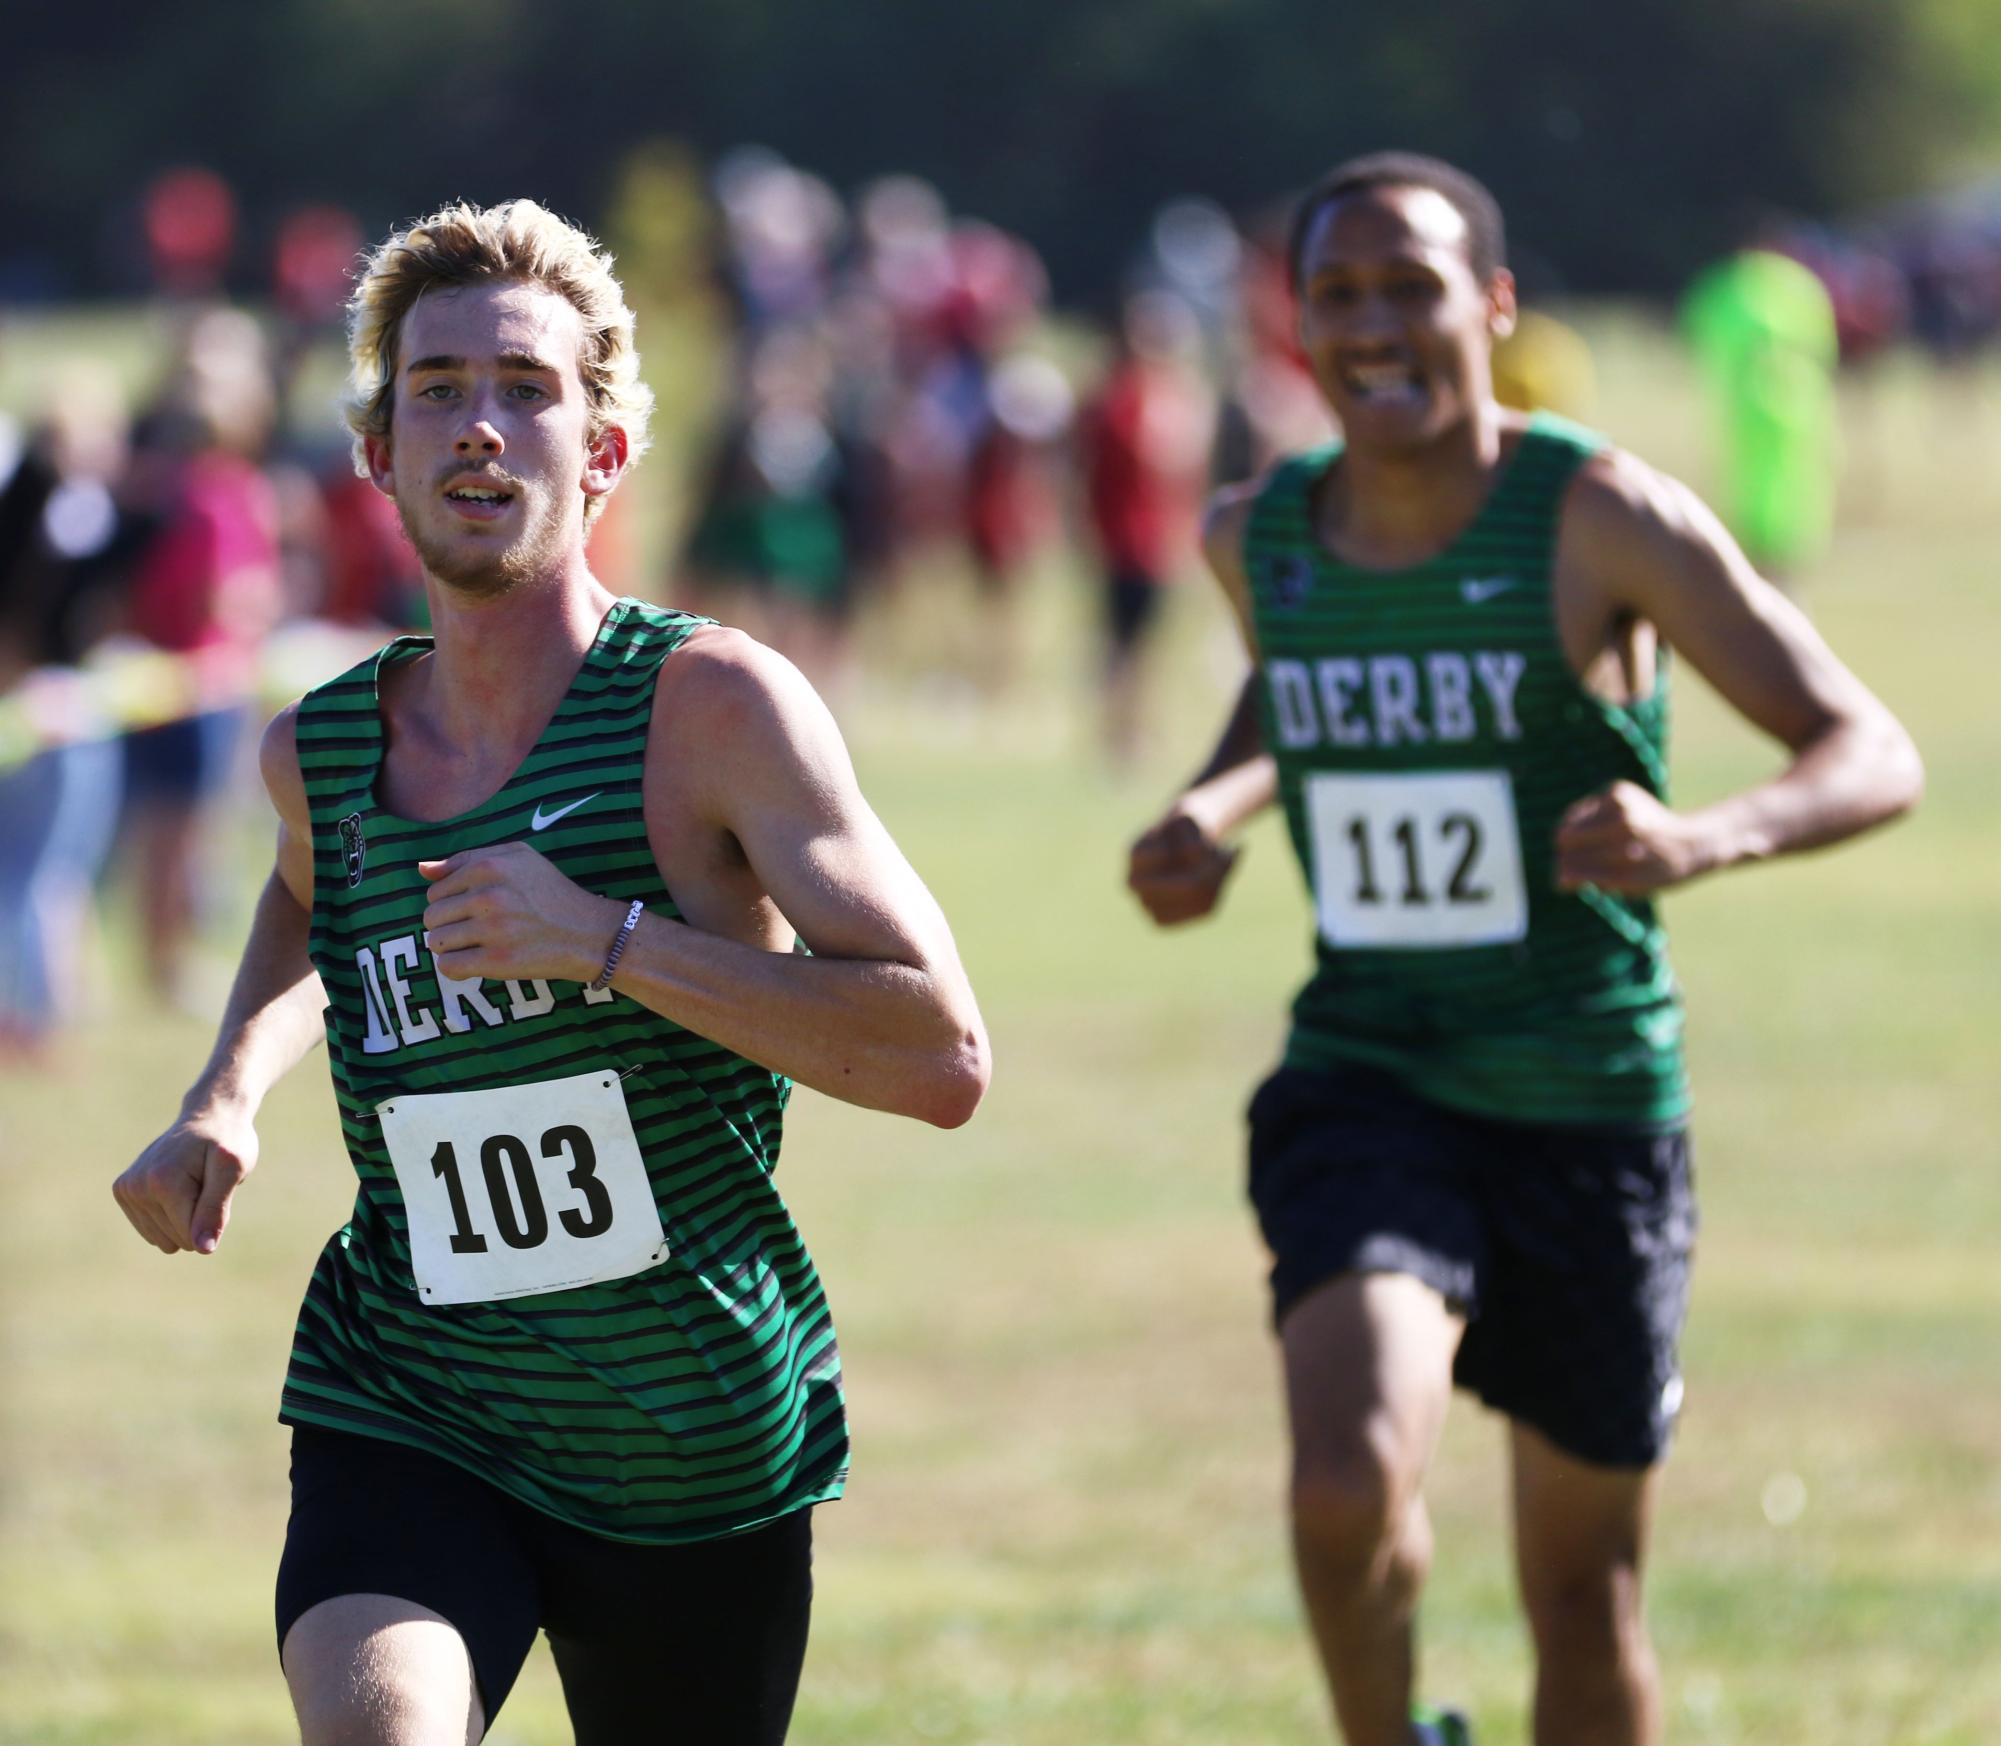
<point x="1390" y="382"/>
<point x="1392" y="317"/>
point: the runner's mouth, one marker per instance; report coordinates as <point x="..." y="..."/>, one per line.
<point x="1383" y="384"/>
<point x="474" y="502"/>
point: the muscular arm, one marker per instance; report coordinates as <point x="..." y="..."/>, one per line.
<point x="880" y="1015"/>
<point x="177" y="1193"/>
<point x="1177" y="866"/>
<point x="1635" y="543"/>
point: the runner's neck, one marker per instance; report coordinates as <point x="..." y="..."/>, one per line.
<point x="498" y="668"/>
<point x="1389" y="510"/>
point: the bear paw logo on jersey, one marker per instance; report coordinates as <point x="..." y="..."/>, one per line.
<point x="1290" y="579"/>
<point x="353" y="849"/>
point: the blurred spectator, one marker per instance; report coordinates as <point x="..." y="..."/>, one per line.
<point x="190" y="225"/>
<point x="372" y="573"/>
<point x="1194" y="251"/>
<point x="1146" y="438"/>
<point x="782" y="225"/>
<point x="206" y="589"/>
<point x="962" y="301"/>
<point x="1005" y="406"/>
<point x="1870" y="298"/>
<point x="63" y="535"/>
<point x="889" y="413"/>
<point x="1270" y="406"/>
<point x="1013" y="500"/>
<point x="770" y="532"/>
<point x="1953" y="268"/>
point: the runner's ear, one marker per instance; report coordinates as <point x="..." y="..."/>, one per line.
<point x="604" y="461"/>
<point x="1501" y="308"/>
<point x="375" y="450"/>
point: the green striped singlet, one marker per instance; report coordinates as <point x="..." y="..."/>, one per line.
<point x="693" y="1399"/>
<point x="1429" y="733"/>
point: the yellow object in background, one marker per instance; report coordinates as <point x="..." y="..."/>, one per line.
<point x="1545" y="366"/>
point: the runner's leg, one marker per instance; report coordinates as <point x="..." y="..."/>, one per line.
<point x="406" y="1597"/>
<point x="1368" y="1372"/>
<point x="372" y="1670"/>
<point x="1580" y="1539"/>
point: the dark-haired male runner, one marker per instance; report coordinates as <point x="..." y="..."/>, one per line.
<point x="569" y="1365"/>
<point x="1473" y="1163"/>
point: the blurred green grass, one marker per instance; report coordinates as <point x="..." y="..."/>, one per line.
<point x="1063" y="1526"/>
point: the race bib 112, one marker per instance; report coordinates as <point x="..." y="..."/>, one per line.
<point x="1417" y="862"/>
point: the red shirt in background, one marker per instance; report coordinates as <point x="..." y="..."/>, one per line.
<point x="1146" y="459"/>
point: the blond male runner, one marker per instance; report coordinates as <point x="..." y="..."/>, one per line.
<point x="1473" y="1163"/>
<point x="569" y="1366"/>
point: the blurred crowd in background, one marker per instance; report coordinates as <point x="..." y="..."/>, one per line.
<point x="900" y="401"/>
<point x="903" y="400"/>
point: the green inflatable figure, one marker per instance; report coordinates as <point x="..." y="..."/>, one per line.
<point x="1762" y="326"/>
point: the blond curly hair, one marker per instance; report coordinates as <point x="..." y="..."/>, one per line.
<point x="520" y="241"/>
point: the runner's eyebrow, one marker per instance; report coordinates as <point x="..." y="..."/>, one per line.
<point x="507" y="360"/>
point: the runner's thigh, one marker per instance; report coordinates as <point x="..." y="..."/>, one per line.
<point x="376" y="1670"/>
<point x="698" y="1644"/>
<point x="372" y="1519"/>
<point x="1368" y="1376"/>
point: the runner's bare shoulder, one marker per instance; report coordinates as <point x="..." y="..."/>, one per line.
<point x="278" y="763"/>
<point x="733" y="716"/>
<point x="1621" y="511"/>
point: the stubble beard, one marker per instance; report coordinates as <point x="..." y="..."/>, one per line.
<point x="484" y="575"/>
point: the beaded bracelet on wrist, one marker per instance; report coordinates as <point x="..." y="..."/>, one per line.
<point x="617" y="947"/>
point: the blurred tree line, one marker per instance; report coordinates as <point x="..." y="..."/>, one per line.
<point x="1624" y="140"/>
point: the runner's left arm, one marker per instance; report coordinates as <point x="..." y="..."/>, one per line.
<point x="880" y="1014"/>
<point x="178" y="1192"/>
<point x="1658" y="553"/>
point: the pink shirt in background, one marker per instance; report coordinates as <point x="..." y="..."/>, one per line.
<point x="208" y="582"/>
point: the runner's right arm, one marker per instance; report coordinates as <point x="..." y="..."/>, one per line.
<point x="177" y="1193"/>
<point x="1177" y="866"/>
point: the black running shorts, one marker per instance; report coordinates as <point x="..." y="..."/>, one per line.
<point x="698" y="1642"/>
<point x="1567" y="1248"/>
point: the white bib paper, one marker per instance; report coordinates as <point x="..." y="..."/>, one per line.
<point x="522" y="1189"/>
<point x="1417" y="862"/>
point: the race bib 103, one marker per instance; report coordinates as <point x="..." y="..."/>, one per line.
<point x="522" y="1189"/>
<point x="1417" y="862"/>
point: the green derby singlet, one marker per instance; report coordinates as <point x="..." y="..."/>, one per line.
<point x="568" y="1268"/>
<point x="1429" y="734"/>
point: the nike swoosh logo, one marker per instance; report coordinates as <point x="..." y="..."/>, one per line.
<point x="543" y="820"/>
<point x="1478" y="588"/>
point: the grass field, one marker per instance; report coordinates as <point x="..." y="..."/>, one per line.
<point x="1063" y="1528"/>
